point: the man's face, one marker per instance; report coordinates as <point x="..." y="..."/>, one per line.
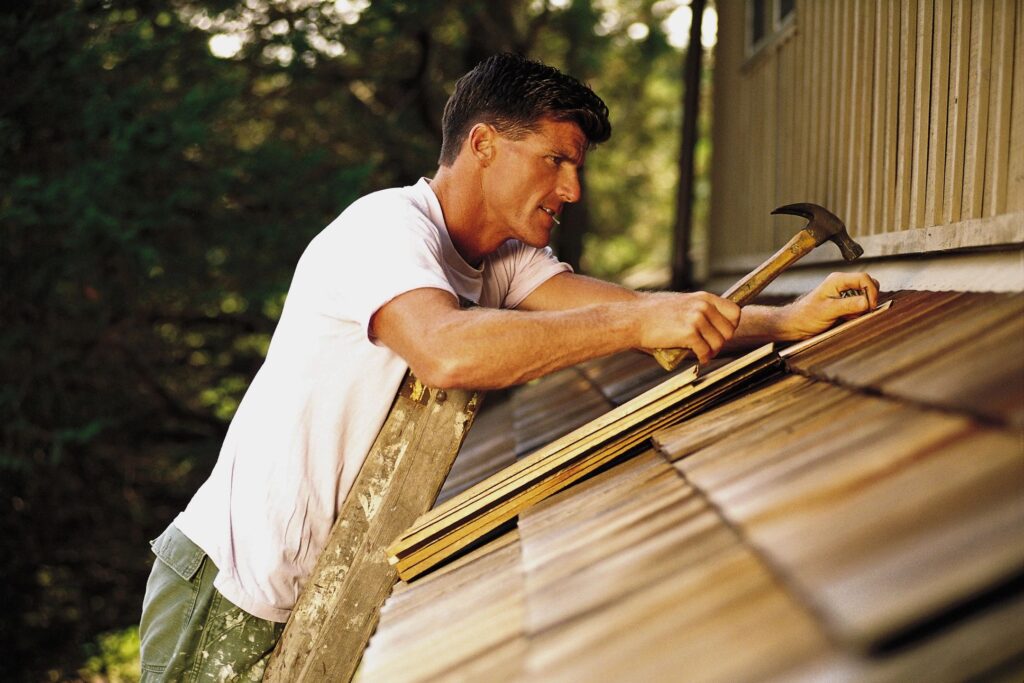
<point x="532" y="179"/>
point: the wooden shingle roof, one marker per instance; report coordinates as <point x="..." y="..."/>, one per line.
<point x="860" y="517"/>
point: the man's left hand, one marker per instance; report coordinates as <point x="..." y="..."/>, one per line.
<point x="820" y="308"/>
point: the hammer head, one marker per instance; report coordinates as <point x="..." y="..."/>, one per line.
<point x="823" y="225"/>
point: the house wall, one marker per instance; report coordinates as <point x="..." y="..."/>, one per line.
<point x="903" y="117"/>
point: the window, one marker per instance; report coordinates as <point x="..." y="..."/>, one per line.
<point x="756" y="20"/>
<point x="785" y="11"/>
<point x="767" y="21"/>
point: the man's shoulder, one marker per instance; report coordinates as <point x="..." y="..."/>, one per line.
<point x="398" y="201"/>
<point x="389" y="211"/>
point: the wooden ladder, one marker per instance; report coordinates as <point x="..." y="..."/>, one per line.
<point x="399" y="481"/>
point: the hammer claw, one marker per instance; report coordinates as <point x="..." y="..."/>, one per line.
<point x="823" y="225"/>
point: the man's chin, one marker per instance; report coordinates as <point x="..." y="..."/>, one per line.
<point x="539" y="241"/>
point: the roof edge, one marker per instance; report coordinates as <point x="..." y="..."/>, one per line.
<point x="982" y="271"/>
<point x="1001" y="231"/>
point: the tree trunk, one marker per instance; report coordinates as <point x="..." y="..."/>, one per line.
<point x="682" y="268"/>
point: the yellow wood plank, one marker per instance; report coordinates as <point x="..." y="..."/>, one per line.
<point x="977" y="109"/>
<point x="859" y="163"/>
<point x="804" y="139"/>
<point x="997" y="153"/>
<point x="797" y="132"/>
<point x="769" y="135"/>
<point x="839" y="201"/>
<point x="939" y="108"/>
<point x="572" y="445"/>
<point x="889" y="182"/>
<point x="905" y="135"/>
<point x="829" y="110"/>
<point x="749" y="167"/>
<point x="922" y="103"/>
<point x="818" y="109"/>
<point x="960" y="56"/>
<point x="854" y="86"/>
<point x="787" y="85"/>
<point x="1015" y="182"/>
<point x="728" y="172"/>
<point x="875" y="208"/>
<point x="871" y="54"/>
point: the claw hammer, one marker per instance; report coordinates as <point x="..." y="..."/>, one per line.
<point x="822" y="226"/>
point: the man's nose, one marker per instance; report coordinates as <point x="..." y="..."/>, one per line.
<point x="569" y="189"/>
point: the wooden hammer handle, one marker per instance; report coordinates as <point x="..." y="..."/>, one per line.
<point x="749" y="287"/>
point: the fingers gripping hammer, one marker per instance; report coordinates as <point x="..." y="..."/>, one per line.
<point x="822" y="225"/>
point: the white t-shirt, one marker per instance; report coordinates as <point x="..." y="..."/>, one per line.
<point x="312" y="412"/>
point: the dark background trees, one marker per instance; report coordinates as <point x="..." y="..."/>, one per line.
<point x="162" y="166"/>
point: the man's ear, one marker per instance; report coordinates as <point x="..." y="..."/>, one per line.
<point x="482" y="141"/>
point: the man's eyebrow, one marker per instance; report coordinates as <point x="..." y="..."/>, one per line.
<point x="575" y="156"/>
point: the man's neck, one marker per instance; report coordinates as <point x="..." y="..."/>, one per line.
<point x="459" y="197"/>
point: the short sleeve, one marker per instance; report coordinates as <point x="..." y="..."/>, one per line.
<point x="517" y="269"/>
<point x="371" y="255"/>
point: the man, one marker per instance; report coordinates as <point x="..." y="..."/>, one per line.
<point x="383" y="288"/>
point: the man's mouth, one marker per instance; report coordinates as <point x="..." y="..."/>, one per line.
<point x="551" y="213"/>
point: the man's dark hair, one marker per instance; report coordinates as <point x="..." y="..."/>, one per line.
<point x="513" y="93"/>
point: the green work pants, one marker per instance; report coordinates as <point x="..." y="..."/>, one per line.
<point x="189" y="631"/>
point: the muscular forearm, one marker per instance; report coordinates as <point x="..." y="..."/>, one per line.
<point x="486" y="348"/>
<point x="759" y="325"/>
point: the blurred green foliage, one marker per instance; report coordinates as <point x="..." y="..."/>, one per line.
<point x="114" y="657"/>
<point x="154" y="198"/>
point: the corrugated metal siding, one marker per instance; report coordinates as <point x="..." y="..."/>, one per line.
<point x="896" y="115"/>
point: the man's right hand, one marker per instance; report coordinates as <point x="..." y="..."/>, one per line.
<point x="700" y="321"/>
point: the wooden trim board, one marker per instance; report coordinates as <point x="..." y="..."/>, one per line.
<point x="1005" y="230"/>
<point x="993" y="271"/>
